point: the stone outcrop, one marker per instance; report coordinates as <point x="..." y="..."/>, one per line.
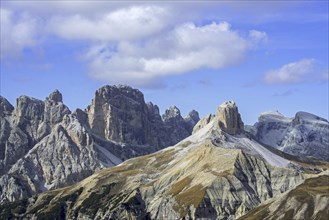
<point x="229" y="118"/>
<point x="191" y="120"/>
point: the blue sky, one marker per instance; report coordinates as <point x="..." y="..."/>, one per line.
<point x="265" y="55"/>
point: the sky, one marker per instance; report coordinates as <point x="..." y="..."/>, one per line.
<point x="264" y="55"/>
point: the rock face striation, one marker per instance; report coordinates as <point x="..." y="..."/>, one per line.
<point x="309" y="200"/>
<point x="212" y="174"/>
<point x="43" y="145"/>
<point x="305" y="135"/>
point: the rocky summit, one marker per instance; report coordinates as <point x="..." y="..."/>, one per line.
<point x="120" y="159"/>
<point x="43" y="145"/>
<point x="229" y="118"/>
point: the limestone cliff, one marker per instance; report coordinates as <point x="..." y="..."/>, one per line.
<point x="44" y="146"/>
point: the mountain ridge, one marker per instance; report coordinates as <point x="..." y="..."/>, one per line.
<point x="168" y="167"/>
<point x="304" y="135"/>
<point x="210" y="173"/>
<point x="44" y="145"/>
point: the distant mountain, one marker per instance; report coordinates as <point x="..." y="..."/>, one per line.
<point x="305" y="135"/>
<point x="216" y="173"/>
<point x="43" y="145"/>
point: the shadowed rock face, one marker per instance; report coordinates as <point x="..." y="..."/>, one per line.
<point x="178" y="127"/>
<point x="191" y="120"/>
<point x="44" y="146"/>
<point x="229" y="118"/>
<point x="5" y="107"/>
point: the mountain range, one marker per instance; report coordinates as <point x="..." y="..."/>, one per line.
<point x="119" y="159"/>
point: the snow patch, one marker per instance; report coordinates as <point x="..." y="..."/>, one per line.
<point x="274" y="116"/>
<point x="201" y="134"/>
<point x="112" y="159"/>
<point x="254" y="148"/>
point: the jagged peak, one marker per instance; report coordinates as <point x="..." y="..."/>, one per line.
<point x="5" y="106"/>
<point x="27" y="100"/>
<point x="171" y="112"/>
<point x="153" y="108"/>
<point x="55" y="96"/>
<point x="109" y="91"/>
<point x="228" y="104"/>
<point x="193" y="115"/>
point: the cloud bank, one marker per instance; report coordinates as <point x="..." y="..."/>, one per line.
<point x="123" y="24"/>
<point x="17" y="33"/>
<point x="184" y="49"/>
<point x="136" y="45"/>
<point x="295" y="72"/>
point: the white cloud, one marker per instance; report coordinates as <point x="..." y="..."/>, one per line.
<point x="122" y="24"/>
<point x="258" y="36"/>
<point x="186" y="48"/>
<point x="294" y="72"/>
<point x="136" y="45"/>
<point x="17" y="33"/>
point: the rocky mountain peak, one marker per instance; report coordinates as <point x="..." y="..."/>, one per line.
<point x="194" y="115"/>
<point x="5" y="107"/>
<point x="229" y="118"/>
<point x="177" y="126"/>
<point x="29" y="109"/>
<point x="171" y="112"/>
<point x="119" y="113"/>
<point x="154" y="109"/>
<point x="191" y="120"/>
<point x="272" y="116"/>
<point x="305" y="117"/>
<point x="108" y="92"/>
<point x="55" y="96"/>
